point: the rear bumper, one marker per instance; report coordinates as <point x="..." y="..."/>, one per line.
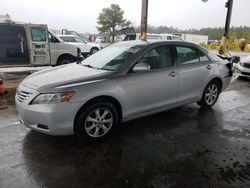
<point x="78" y="58"/>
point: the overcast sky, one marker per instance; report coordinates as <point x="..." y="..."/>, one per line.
<point x="81" y="15"/>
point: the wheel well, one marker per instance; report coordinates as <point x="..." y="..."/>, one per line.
<point x="110" y="99"/>
<point x="63" y="56"/>
<point x="219" y="81"/>
<point x="94" y="48"/>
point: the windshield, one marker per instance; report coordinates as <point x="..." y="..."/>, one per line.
<point x="112" y="57"/>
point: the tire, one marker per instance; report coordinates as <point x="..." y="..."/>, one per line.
<point x="210" y="94"/>
<point x="66" y="59"/>
<point x="97" y="121"/>
<point x="94" y="50"/>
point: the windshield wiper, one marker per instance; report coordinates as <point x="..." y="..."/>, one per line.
<point x="90" y="66"/>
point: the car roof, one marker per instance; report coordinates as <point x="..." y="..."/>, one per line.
<point x="140" y="42"/>
<point x="68" y="36"/>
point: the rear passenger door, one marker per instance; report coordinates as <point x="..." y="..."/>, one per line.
<point x="195" y="70"/>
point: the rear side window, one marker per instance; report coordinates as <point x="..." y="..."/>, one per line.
<point x="38" y="34"/>
<point x="187" y="55"/>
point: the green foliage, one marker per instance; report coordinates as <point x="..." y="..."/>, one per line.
<point x="246" y="36"/>
<point x="214" y="33"/>
<point x="233" y="42"/>
<point x="111" y="20"/>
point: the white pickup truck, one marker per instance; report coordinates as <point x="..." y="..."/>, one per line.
<point x="24" y="44"/>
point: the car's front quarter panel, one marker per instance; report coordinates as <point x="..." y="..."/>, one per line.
<point x="87" y="90"/>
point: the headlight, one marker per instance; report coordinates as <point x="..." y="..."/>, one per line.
<point x="241" y="64"/>
<point x="53" y="98"/>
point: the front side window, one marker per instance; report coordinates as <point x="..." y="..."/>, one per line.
<point x="38" y="34"/>
<point x="79" y="40"/>
<point x="158" y="58"/>
<point x="187" y="55"/>
<point x="52" y="38"/>
<point x="169" y="38"/>
<point x="68" y="39"/>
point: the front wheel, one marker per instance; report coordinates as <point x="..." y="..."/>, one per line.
<point x="94" y="50"/>
<point x="63" y="60"/>
<point x="210" y="94"/>
<point x="97" y="122"/>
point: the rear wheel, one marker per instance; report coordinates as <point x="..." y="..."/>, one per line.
<point x="210" y="94"/>
<point x="94" y="50"/>
<point x="97" y="122"/>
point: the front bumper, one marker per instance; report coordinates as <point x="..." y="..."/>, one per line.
<point x="53" y="119"/>
<point x="242" y="71"/>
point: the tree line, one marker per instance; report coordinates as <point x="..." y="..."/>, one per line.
<point x="111" y="20"/>
<point x="214" y="33"/>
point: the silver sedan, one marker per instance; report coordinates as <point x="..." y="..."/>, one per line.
<point x="122" y="82"/>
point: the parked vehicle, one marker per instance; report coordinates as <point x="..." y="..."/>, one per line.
<point x="68" y="32"/>
<point x="124" y="81"/>
<point x="151" y="36"/>
<point x="242" y="69"/>
<point x="196" y="39"/>
<point x="100" y="39"/>
<point x="33" y="45"/>
<point x="86" y="47"/>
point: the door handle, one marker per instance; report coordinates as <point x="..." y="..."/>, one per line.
<point x="172" y="74"/>
<point x="38" y="46"/>
<point x="209" y="67"/>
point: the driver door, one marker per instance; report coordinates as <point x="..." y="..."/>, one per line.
<point x="153" y="89"/>
<point x="39" y="45"/>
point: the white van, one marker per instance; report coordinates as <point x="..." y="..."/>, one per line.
<point x="23" y="44"/>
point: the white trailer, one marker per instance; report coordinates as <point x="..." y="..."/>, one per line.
<point x="197" y="39"/>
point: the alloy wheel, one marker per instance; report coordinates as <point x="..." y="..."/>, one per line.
<point x="211" y="94"/>
<point x="98" y="122"/>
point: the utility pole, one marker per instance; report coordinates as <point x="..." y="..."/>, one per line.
<point x="144" y="20"/>
<point x="225" y="38"/>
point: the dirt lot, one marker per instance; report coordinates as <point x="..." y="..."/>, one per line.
<point x="183" y="147"/>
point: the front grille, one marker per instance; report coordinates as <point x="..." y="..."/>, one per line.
<point x="23" y="96"/>
<point x="245" y="73"/>
<point x="246" y="65"/>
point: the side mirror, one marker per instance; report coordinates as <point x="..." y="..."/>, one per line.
<point x="236" y="59"/>
<point x="141" y="67"/>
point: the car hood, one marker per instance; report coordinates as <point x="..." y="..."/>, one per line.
<point x="49" y="79"/>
